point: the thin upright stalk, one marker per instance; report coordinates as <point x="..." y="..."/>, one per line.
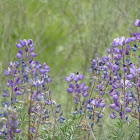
<point x="54" y="113"/>
<point x="124" y="78"/>
<point x="89" y="127"/>
<point x="138" y="105"/>
<point x="54" y="128"/>
<point x="29" y="111"/>
<point x="38" y="123"/>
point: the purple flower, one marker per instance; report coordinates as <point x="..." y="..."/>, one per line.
<point x="32" y="129"/>
<point x="42" y="71"/>
<point x="133" y="39"/>
<point x="18" y="46"/>
<point x="49" y="80"/>
<point x="130" y="76"/>
<point x="47" y="68"/>
<point x="105" y="58"/>
<point x="127" y="50"/>
<point x="116" y="68"/>
<point x="85" y="94"/>
<point x="19" y="55"/>
<point x="70" y="90"/>
<point x="113" y="106"/>
<point x="31" y="50"/>
<point x="69" y="79"/>
<point x="26" y="49"/>
<point x="33" y="54"/>
<point x="115" y="97"/>
<point x="18" y="130"/>
<point x="8" y="72"/>
<point x="58" y="108"/>
<point x="85" y="88"/>
<point x="128" y="40"/>
<point x="118" y="42"/>
<point x="128" y="109"/>
<point x="24" y="42"/>
<point x="18" y="93"/>
<point x="71" y="85"/>
<point x="102" y="104"/>
<point x="15" y="124"/>
<point x="122" y="41"/>
<point x="80" y="77"/>
<point x="30" y="43"/>
<point x="125" y="69"/>
<point x="113" y="115"/>
<point x="117" y="51"/>
<point x="137" y="23"/>
<point x="100" y="115"/>
<point x="133" y="69"/>
<point x="117" y="108"/>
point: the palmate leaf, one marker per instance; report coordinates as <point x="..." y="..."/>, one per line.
<point x="123" y="130"/>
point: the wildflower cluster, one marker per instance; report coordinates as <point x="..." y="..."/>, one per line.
<point x="28" y="99"/>
<point x="28" y="84"/>
<point x="113" y="75"/>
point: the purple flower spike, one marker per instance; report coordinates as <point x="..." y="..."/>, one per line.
<point x="18" y="45"/>
<point x="70" y="90"/>
<point x="19" y="55"/>
<point x="137" y="23"/>
<point x="33" y="54"/>
<point x="18" y="130"/>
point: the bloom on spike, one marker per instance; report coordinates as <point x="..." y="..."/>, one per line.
<point x="137" y="23"/>
<point x="30" y="43"/>
<point x="8" y="72"/>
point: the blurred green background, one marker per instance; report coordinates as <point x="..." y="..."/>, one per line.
<point x="66" y="34"/>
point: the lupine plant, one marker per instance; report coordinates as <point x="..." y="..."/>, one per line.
<point x="29" y="112"/>
<point x="113" y="75"/>
<point x="28" y="90"/>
